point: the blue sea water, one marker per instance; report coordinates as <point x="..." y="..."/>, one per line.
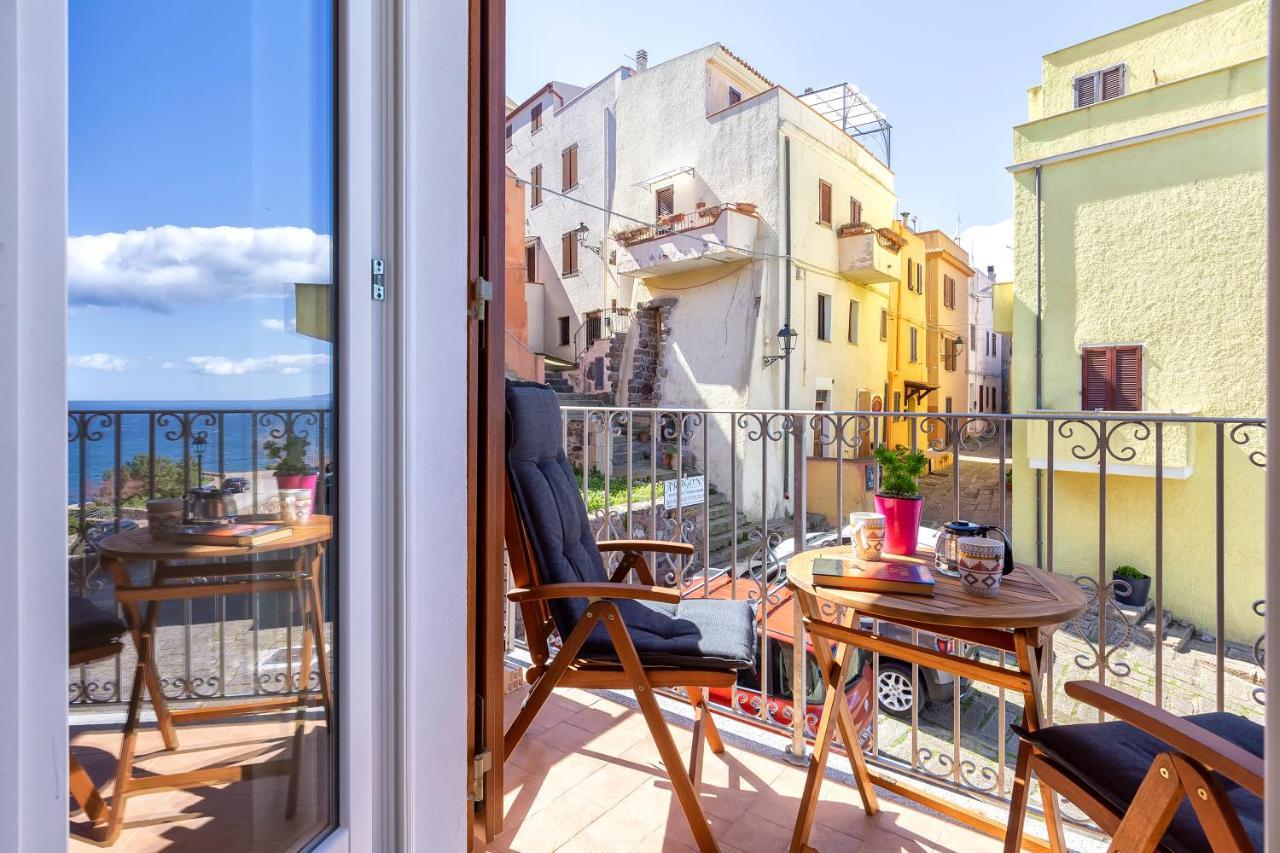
<point x="103" y="434"/>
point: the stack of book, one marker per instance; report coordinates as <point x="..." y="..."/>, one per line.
<point x="246" y="535"/>
<point x="886" y="576"/>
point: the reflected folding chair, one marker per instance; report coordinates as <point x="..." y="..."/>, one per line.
<point x="613" y="634"/>
<point x="94" y="635"/>
<point x="1151" y="779"/>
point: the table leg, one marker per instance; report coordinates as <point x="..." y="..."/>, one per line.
<point x="304" y="687"/>
<point x="145" y="650"/>
<point x="317" y="621"/>
<point x="835" y="673"/>
<point x="1028" y="656"/>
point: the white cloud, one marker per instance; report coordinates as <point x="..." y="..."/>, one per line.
<point x="158" y="268"/>
<point x="274" y="325"/>
<point x="991" y="245"/>
<point x="221" y="365"/>
<point x="101" y="361"/>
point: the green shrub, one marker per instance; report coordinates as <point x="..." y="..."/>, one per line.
<point x="1128" y="572"/>
<point x="900" y="468"/>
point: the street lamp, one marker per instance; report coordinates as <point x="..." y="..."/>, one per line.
<point x="581" y="234"/>
<point x="199" y="444"/>
<point x="786" y="342"/>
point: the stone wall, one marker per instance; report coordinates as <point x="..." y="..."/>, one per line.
<point x="651" y="327"/>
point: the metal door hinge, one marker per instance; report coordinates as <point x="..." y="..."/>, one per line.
<point x="480" y="765"/>
<point x="481" y="293"/>
<point x="379" y="287"/>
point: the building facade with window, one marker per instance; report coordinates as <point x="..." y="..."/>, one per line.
<point x="947" y="277"/>
<point x="984" y="346"/>
<point x="907" y="388"/>
<point x="1144" y="164"/>
<point x="561" y="146"/>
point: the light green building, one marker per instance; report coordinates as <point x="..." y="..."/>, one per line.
<point x="1139" y="187"/>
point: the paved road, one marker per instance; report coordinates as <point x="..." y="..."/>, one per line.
<point x="983" y="497"/>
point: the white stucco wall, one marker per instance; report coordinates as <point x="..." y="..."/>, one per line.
<point x="985" y="366"/>
<point x="584" y="118"/>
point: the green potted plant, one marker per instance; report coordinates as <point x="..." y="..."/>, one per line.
<point x="1138" y="583"/>
<point x="289" y="462"/>
<point x="899" y="499"/>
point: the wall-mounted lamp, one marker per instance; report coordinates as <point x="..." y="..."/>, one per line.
<point x="581" y="232"/>
<point x="786" y="342"/>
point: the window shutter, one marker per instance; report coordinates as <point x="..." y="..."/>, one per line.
<point x="1113" y="83"/>
<point x="509" y="137"/>
<point x="824" y="202"/>
<point x="855" y="211"/>
<point x="734" y="96"/>
<point x="1095" y="380"/>
<point x="853" y="321"/>
<point x="884" y="324"/>
<point x="535" y="118"/>
<point x="1086" y="90"/>
<point x="569" y="168"/>
<point x="531" y="262"/>
<point x="666" y="201"/>
<point x="535" y="178"/>
<point x="1127" y="378"/>
<point x="569" y="253"/>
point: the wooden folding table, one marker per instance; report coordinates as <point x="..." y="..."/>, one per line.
<point x="1030" y="605"/>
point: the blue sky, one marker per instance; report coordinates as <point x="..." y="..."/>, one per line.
<point x="951" y="76"/>
<point x="210" y="124"/>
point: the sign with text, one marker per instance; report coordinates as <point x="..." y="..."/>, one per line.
<point x="692" y="491"/>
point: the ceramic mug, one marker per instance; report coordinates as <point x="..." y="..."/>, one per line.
<point x="295" y="505"/>
<point x="980" y="562"/>
<point x="868" y="534"/>
<point x="164" y="515"/>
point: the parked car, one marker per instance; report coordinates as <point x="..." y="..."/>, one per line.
<point x="747" y="697"/>
<point x="895" y="692"/>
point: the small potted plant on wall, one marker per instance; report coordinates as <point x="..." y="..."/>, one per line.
<point x="899" y="499"/>
<point x="1138" y="584"/>
<point x="289" y="462"/>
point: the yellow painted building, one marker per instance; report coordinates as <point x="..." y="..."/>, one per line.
<point x="1143" y="164"/>
<point x="947" y="274"/>
<point x="906" y="321"/>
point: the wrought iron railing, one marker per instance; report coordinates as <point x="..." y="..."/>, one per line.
<point x="119" y="458"/>
<point x="1113" y="480"/>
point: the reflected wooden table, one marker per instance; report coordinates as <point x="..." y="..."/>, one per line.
<point x="1030" y="605"/>
<point x="182" y="572"/>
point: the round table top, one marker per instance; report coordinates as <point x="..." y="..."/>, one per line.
<point x="138" y="545"/>
<point x="1028" y="597"/>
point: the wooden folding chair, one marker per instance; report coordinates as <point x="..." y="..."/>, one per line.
<point x="1152" y="780"/>
<point x="615" y="635"/>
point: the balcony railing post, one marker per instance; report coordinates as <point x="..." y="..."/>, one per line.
<point x="799" y="511"/>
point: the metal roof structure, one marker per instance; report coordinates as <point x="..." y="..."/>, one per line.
<point x="849" y="109"/>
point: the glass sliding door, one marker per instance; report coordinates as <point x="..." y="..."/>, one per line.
<point x="202" y="480"/>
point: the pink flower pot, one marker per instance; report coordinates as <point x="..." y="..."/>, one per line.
<point x="901" y="523"/>
<point x="298" y="481"/>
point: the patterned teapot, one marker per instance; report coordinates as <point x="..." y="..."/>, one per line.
<point x="945" y="553"/>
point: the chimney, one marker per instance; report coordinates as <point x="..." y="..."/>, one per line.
<point x="642" y="59"/>
<point x="905" y="215"/>
<point x="991" y="272"/>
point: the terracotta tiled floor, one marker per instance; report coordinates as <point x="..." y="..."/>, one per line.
<point x="588" y="777"/>
<point x="245" y="817"/>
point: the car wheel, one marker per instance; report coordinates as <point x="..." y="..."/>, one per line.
<point x="894" y="690"/>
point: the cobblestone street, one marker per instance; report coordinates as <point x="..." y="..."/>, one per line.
<point x="983" y="497"/>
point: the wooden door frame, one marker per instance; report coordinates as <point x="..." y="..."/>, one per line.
<point x="486" y="260"/>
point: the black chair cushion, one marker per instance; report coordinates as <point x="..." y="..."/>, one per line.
<point x="91" y="626"/>
<point x="693" y="633"/>
<point x="1113" y="758"/>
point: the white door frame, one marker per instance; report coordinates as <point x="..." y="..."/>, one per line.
<point x="402" y="132"/>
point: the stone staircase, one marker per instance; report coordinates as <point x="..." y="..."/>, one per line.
<point x="564" y="391"/>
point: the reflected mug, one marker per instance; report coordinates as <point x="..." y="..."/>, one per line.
<point x="295" y="505"/>
<point x="868" y="534"/>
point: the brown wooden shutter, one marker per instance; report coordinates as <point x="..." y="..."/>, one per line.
<point x="665" y="201"/>
<point x="824" y="202"/>
<point x="1127" y="378"/>
<point x="509" y="137"/>
<point x="1086" y="90"/>
<point x="535" y="118"/>
<point x="855" y="211"/>
<point x="1095" y="378"/>
<point x="569" y="253"/>
<point x="531" y="262"/>
<point x="535" y="179"/>
<point x="1112" y="83"/>
<point x="569" y="167"/>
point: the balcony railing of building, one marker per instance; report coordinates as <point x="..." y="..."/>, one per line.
<point x="229" y="646"/>
<point x="678" y="223"/>
<point x="1093" y="490"/>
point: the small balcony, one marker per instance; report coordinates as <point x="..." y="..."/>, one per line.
<point x="1072" y="440"/>
<point x="708" y="237"/>
<point x="869" y="255"/>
